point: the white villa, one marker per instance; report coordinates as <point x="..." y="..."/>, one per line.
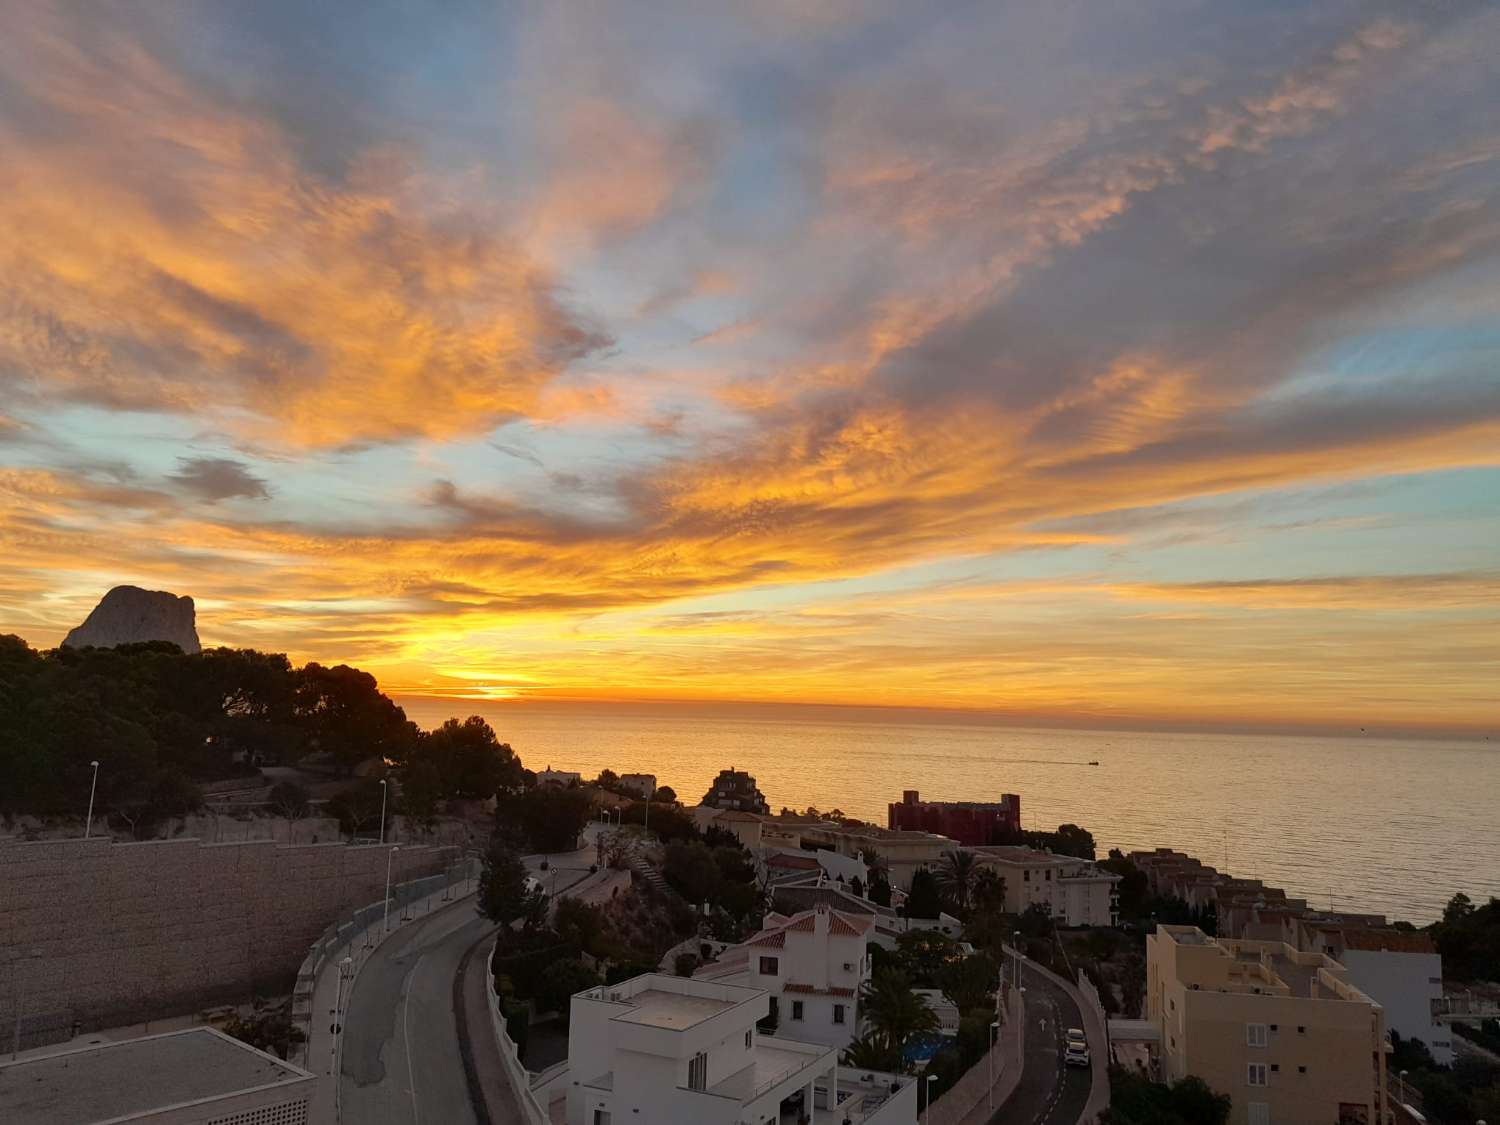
<point x="663" y="1050"/>
<point x="811" y="965"/>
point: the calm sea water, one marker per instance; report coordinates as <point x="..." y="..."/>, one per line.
<point x="1362" y="824"/>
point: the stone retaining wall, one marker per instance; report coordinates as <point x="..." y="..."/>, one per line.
<point x="105" y="934"/>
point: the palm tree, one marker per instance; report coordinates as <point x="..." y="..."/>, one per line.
<point x="869" y="1052"/>
<point x="893" y="1012"/>
<point x="955" y="876"/>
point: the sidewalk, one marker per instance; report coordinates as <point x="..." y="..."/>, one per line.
<point x="970" y="1102"/>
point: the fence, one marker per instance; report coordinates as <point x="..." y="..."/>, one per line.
<point x="353" y="932"/>
<point x="510" y="1056"/>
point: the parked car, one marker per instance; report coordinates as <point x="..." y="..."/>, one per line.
<point x="1076" y="1054"/>
<point x="1076" y="1035"/>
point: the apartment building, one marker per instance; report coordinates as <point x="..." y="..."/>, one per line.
<point x="902" y="851"/>
<point x="1282" y="1032"/>
<point x="558" y="779"/>
<point x="975" y="823"/>
<point x="745" y="826"/>
<point x="663" y="1050"/>
<point x="736" y="790"/>
<point x="1400" y="970"/>
<point x="1075" y="892"/>
<point x="811" y="965"/>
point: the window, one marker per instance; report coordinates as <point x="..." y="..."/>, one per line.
<point x="1302" y="1070"/>
<point x="796" y="1009"/>
<point x="1256" y="1035"/>
<point x="698" y="1071"/>
<point x="1026" y="876"/>
<point x="838" y="1013"/>
<point x="1255" y="1074"/>
<point x="1275" y="1068"/>
<point x="770" y="966"/>
<point x="749" y="1039"/>
<point x="1260" y="1113"/>
<point x="1301" y="1029"/>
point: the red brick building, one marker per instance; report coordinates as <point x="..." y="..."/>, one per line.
<point x="973" y="823"/>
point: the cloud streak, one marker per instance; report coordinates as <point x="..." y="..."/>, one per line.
<point x="648" y="355"/>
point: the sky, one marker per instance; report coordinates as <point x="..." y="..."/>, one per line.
<point x="1127" y="361"/>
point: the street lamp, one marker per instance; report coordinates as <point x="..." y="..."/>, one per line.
<point x="384" y="789"/>
<point x="1402" y="1087"/>
<point x="386" y="926"/>
<point x="994" y="1035"/>
<point x="646" y="825"/>
<point x="88" y="825"/>
<point x="927" y="1085"/>
<point x="346" y="967"/>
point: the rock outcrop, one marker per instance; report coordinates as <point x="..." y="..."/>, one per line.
<point x="128" y="614"/>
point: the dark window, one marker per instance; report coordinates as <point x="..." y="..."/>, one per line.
<point x="748" y="1036"/>
<point x="796" y="1009"/>
<point x="1301" y="1030"/>
<point x="770" y="966"/>
<point x="1275" y="1068"/>
<point x="838" y="1013"/>
<point x="1302" y="1070"/>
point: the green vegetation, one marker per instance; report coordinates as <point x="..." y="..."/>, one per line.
<point x="1467" y="1091"/>
<point x="267" y="1028"/>
<point x="503" y="895"/>
<point x="1468" y="937"/>
<point x="893" y="1013"/>
<point x="544" y="819"/>
<point x="924" y="899"/>
<point x="1136" y="1100"/>
<point x="161" y="722"/>
<point x="723" y="877"/>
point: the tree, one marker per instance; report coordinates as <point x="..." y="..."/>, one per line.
<point x="358" y="807"/>
<point x="870" y="1052"/>
<point x="582" y="925"/>
<point x="923" y="900"/>
<point x="560" y="982"/>
<point x="471" y="762"/>
<point x="893" y="1011"/>
<point x="988" y="893"/>
<point x="970" y="981"/>
<point x="502" y="883"/>
<point x="1134" y="887"/>
<point x="955" y="878"/>
<point x="608" y="780"/>
<point x="1136" y="1100"/>
<point x="922" y="954"/>
<point x="266" y="1028"/>
<point x="693" y="872"/>
<point x="548" y="820"/>
<point x="289" y="800"/>
<point x="346" y="715"/>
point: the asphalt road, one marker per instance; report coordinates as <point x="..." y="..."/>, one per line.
<point x="1049" y="1093"/>
<point x="401" y="1062"/>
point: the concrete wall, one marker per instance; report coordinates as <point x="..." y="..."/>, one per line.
<point x="1405" y="985"/>
<point x="106" y="933"/>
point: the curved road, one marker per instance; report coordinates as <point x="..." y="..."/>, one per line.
<point x="1049" y="1093"/>
<point x="401" y="1063"/>
<point x="401" y="1057"/>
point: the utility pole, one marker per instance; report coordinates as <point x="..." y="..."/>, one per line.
<point x="384" y="791"/>
<point x="386" y="926"/>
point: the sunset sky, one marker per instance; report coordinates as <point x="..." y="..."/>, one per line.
<point x="1132" y="360"/>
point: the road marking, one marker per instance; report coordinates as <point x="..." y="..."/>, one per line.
<point x="411" y="1078"/>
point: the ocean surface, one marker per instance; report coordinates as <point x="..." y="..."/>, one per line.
<point x="1380" y="825"/>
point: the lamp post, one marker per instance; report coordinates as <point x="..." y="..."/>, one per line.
<point x="927" y="1086"/>
<point x="1402" y="1086"/>
<point x="384" y="790"/>
<point x="88" y="825"/>
<point x="994" y="1035"/>
<point x="336" y="1028"/>
<point x="386" y="925"/>
<point x="646" y="824"/>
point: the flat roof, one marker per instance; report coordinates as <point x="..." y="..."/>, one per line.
<point x="108" y="1081"/>
<point x="671" y="1010"/>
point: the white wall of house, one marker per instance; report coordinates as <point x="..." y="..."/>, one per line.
<point x="1405" y="985"/>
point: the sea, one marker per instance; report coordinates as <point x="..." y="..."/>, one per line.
<point x="1370" y="824"/>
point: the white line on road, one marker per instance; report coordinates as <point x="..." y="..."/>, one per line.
<point x="411" y="1078"/>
